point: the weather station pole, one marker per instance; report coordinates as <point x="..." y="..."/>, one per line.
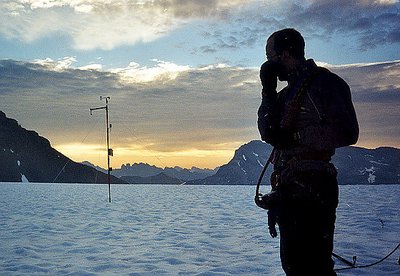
<point x="109" y="151"/>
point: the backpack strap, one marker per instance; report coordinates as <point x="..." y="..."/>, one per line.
<point x="295" y="104"/>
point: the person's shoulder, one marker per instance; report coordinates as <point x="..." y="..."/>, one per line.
<point x="327" y="77"/>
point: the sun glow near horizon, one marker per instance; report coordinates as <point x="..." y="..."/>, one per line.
<point x="188" y="158"/>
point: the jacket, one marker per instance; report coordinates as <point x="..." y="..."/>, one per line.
<point x="323" y="120"/>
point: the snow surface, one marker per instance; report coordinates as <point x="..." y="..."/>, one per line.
<point x="56" y="229"/>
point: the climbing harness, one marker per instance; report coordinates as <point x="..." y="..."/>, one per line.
<point x="262" y="202"/>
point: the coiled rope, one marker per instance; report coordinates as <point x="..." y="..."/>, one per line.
<point x="353" y="265"/>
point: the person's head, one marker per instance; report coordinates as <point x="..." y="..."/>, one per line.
<point x="286" y="48"/>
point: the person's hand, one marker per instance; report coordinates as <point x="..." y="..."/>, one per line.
<point x="272" y="231"/>
<point x="268" y="76"/>
<point x="272" y="220"/>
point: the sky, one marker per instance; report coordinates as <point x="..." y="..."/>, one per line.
<point x="182" y="75"/>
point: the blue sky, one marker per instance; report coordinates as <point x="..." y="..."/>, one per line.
<point x="183" y="75"/>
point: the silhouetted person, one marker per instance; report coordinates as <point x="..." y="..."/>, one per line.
<point x="305" y="122"/>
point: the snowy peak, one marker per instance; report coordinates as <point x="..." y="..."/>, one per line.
<point x="245" y="166"/>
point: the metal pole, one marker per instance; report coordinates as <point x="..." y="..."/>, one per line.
<point x="109" y="151"/>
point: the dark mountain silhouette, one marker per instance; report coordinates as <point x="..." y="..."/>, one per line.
<point x="26" y="156"/>
<point x="367" y="166"/>
<point x="355" y="166"/>
<point x="244" y="168"/>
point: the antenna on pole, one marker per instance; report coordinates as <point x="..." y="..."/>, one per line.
<point x="109" y="150"/>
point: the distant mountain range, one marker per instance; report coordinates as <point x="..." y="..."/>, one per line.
<point x="27" y="157"/>
<point x="142" y="173"/>
<point x="145" y="170"/>
<point x="355" y="165"/>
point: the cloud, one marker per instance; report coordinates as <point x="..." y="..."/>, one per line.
<point x="372" y="22"/>
<point x="162" y="71"/>
<point x="368" y="24"/>
<point x="58" y="65"/>
<point x="175" y="111"/>
<point x="235" y="24"/>
<point x="374" y="82"/>
<point x="104" y="24"/>
<point x="119" y="24"/>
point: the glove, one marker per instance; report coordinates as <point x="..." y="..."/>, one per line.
<point x="272" y="231"/>
<point x="268" y="76"/>
<point x="272" y="223"/>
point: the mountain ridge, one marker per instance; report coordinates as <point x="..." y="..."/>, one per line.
<point x="28" y="157"/>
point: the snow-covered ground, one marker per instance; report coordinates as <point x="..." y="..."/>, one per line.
<point x="53" y="229"/>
